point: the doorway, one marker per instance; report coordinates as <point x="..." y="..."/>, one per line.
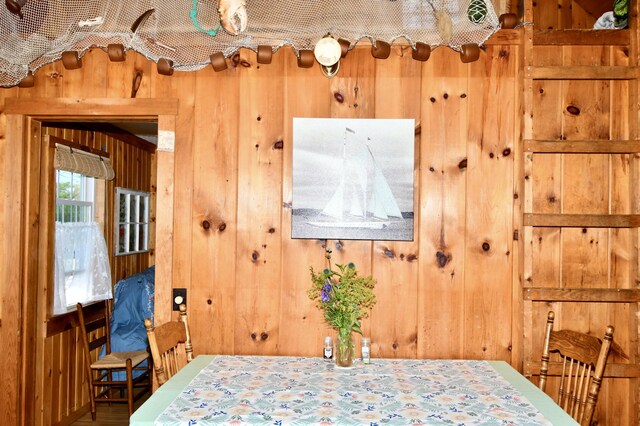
<point x="37" y="390"/>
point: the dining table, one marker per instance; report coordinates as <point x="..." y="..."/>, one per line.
<point x="285" y="390"/>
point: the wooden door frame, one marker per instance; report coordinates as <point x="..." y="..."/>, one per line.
<point x="22" y="334"/>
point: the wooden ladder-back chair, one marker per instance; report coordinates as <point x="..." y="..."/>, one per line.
<point x="170" y="345"/>
<point x="102" y="387"/>
<point x="583" y="359"/>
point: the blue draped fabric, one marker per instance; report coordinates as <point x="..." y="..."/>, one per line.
<point x="132" y="303"/>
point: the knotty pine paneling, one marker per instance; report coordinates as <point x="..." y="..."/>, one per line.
<point x="259" y="272"/>
<point x="302" y="321"/>
<point x="397" y="95"/>
<point x="447" y="294"/>
<point x="568" y="14"/>
<point x="584" y="184"/>
<point x="442" y="205"/>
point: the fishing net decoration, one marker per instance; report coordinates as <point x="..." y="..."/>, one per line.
<point x="50" y="27"/>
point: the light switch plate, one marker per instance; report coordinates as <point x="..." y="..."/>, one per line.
<point x="179" y="297"/>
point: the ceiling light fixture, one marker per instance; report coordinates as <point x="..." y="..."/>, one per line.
<point x="328" y="52"/>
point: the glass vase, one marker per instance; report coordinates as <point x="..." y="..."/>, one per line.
<point x="345" y="349"/>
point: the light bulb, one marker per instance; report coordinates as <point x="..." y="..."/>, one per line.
<point x="327" y="51"/>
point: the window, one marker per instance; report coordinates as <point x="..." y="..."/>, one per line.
<point x="74" y="197"/>
<point x="82" y="272"/>
<point x="132" y="221"/>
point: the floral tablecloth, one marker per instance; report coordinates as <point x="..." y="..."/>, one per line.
<point x="290" y="390"/>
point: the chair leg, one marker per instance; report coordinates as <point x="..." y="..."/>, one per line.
<point x="149" y="375"/>
<point x="92" y="400"/>
<point x="130" y="386"/>
<point x="110" y="388"/>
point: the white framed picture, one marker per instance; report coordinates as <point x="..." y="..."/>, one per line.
<point x="353" y="179"/>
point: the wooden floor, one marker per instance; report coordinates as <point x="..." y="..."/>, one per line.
<point x="116" y="414"/>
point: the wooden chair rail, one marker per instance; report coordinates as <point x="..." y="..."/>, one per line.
<point x="582" y="147"/>
<point x="607" y="295"/>
<point x="579" y="72"/>
<point x="579" y="37"/>
<point x="613" y="370"/>
<point x="582" y="220"/>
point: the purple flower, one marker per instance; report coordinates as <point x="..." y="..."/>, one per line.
<point x="326" y="292"/>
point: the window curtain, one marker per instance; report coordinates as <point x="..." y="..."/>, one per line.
<point x="82" y="272"/>
<point x="85" y="163"/>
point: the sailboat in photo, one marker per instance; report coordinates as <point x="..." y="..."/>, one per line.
<point x="363" y="198"/>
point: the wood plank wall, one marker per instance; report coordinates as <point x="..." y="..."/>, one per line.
<point x="60" y="393"/>
<point x="448" y="294"/>
<point x="581" y="258"/>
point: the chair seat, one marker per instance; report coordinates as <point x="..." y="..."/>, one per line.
<point x="119" y="359"/>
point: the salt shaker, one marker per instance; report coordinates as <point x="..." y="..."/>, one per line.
<point x="328" y="349"/>
<point x="366" y="350"/>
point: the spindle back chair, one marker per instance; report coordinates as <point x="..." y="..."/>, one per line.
<point x="170" y="345"/>
<point x="583" y="358"/>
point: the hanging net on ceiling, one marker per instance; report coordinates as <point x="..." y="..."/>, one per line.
<point x="170" y="30"/>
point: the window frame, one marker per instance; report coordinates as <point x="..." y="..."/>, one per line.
<point x="142" y="198"/>
<point x="87" y="196"/>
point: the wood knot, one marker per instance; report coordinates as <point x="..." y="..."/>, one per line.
<point x="432" y="99"/>
<point x="394" y="345"/>
<point x="253" y="336"/>
<point x="431" y="169"/>
<point x="462" y="164"/>
<point x="272" y="230"/>
<point x="411" y="257"/>
<point x="206" y="224"/>
<point x="278" y="144"/>
<point x="264" y="336"/>
<point x="339" y="97"/>
<point x="442" y="258"/>
<point x="491" y="155"/>
<point x="258" y="118"/>
<point x="446" y="96"/>
<point x="573" y="110"/>
<point x="506" y="152"/>
<point x="209" y="301"/>
<point x="222" y="227"/>
<point x="255" y="256"/>
<point x="339" y="245"/>
<point x="464" y="95"/>
<point x="389" y="253"/>
<point x="486" y="246"/>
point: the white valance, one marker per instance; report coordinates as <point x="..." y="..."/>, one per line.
<point x="85" y="163"/>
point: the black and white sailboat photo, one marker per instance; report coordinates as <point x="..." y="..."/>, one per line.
<point x="353" y="179"/>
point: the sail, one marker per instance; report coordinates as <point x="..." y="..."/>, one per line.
<point x="363" y="193"/>
<point x="334" y="207"/>
<point x="384" y="203"/>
